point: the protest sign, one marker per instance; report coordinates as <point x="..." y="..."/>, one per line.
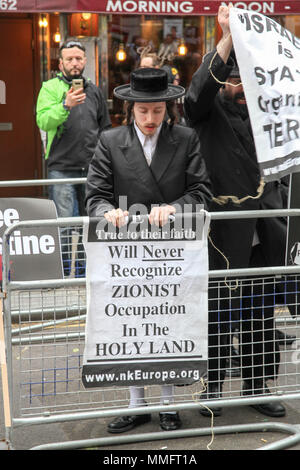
<point x="34" y="252"/>
<point x="268" y="57"/>
<point x="146" y="303"/>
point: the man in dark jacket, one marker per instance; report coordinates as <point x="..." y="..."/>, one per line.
<point x="215" y="106"/>
<point x="152" y="163"/>
<point x="73" y="120"/>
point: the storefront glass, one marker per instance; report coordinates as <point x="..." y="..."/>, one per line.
<point x="106" y="35"/>
<point x="292" y="23"/>
<point x="163" y="35"/>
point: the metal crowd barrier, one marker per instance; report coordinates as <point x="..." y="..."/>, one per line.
<point x="44" y="324"/>
<point x="41" y="182"/>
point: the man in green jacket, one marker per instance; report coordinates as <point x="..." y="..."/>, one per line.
<point x="73" y="120"/>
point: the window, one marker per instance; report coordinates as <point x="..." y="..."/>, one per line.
<point x="163" y="35"/>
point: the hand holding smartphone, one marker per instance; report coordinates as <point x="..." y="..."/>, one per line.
<point x="77" y="83"/>
<point x="76" y="94"/>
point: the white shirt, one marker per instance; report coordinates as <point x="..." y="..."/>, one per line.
<point x="148" y="142"/>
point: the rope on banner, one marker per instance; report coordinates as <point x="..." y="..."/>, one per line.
<point x="227" y="265"/>
<point x="198" y="394"/>
<point x="215" y="78"/>
<point x="221" y="200"/>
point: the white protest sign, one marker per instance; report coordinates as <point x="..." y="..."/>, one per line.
<point x="146" y="304"/>
<point x="268" y="57"/>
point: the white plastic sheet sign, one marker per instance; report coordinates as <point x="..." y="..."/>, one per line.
<point x="268" y="57"/>
<point x="146" y="304"/>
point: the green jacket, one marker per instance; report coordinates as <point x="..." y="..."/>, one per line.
<point x="50" y="111"/>
<point x="71" y="135"/>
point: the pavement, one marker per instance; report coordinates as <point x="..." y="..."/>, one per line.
<point x="26" y="437"/>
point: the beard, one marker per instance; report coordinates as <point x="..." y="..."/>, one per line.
<point x="231" y="102"/>
<point x="242" y="110"/>
<point x="69" y="76"/>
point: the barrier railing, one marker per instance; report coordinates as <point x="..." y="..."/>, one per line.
<point x="41" y="182"/>
<point x="44" y="324"/>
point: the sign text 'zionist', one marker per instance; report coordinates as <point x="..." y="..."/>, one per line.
<point x="147" y="304"/>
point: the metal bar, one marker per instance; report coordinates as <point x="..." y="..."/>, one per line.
<point x="47" y="313"/>
<point x="4" y="374"/>
<point x="7" y="334"/>
<point x="232" y="402"/>
<point x="228" y="273"/>
<point x="69" y="221"/>
<point x="47" y="284"/>
<point x="77" y="221"/>
<point x="283" y="443"/>
<point x="259" y="214"/>
<point x="43" y="325"/>
<point x="41" y="182"/>
<point x="154" y="436"/>
<point x="48" y="338"/>
<point x="68" y="336"/>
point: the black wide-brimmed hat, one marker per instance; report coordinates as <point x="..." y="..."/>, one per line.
<point x="149" y="85"/>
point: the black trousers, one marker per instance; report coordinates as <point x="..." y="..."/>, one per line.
<point x="251" y="306"/>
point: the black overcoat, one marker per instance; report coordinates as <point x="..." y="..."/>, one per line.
<point x="177" y="174"/>
<point x="232" y="171"/>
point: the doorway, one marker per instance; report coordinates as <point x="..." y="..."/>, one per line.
<point x="20" y="146"/>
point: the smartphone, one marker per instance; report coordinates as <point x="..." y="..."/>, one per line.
<point x="77" y="83"/>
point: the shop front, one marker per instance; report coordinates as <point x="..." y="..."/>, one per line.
<point x="114" y="33"/>
<point x="114" y="42"/>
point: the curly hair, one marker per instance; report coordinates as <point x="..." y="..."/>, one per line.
<point x="146" y="52"/>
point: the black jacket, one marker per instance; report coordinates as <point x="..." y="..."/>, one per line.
<point x="233" y="170"/>
<point x="177" y="174"/>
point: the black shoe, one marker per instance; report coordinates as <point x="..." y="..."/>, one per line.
<point x="169" y="421"/>
<point x="125" y="423"/>
<point x="212" y="393"/>
<point x="274" y="409"/>
<point x="283" y="339"/>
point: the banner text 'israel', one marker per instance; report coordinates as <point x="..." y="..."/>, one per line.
<point x="268" y="57"/>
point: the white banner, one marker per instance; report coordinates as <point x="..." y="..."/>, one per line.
<point x="268" y="57"/>
<point x="146" y="303"/>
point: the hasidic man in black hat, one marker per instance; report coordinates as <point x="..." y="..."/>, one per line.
<point x="215" y="106"/>
<point x="154" y="163"/>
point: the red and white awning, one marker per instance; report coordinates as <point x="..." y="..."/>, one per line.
<point x="147" y="7"/>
